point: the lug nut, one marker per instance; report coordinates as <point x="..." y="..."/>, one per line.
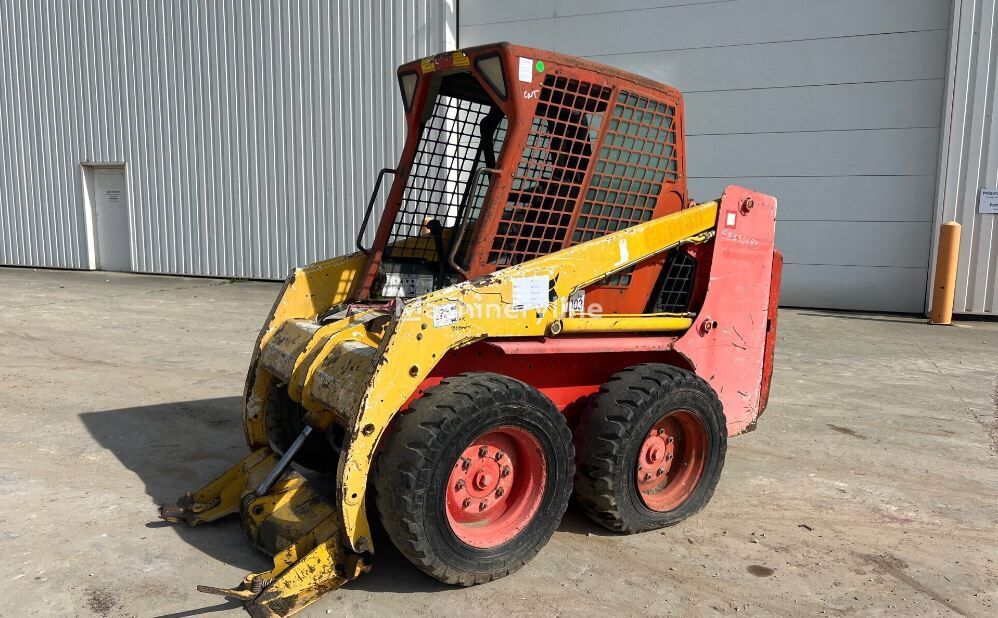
<point x="499" y="492"/>
<point x="460" y="485"/>
<point x="670" y="440"/>
<point x="647" y="476"/>
<point x="661" y="430"/>
<point x="483" y="452"/>
<point x="466" y="503"/>
<point x="659" y="472"/>
<point x="498" y="455"/>
<point x="483" y="505"/>
<point x="505" y="472"/>
<point x="668" y="456"/>
<point x="465" y="463"/>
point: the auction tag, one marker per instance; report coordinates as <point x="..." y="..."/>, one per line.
<point x="444" y="315"/>
<point x="577" y="303"/>
<point x="530" y="293"/>
<point x="526" y="71"/>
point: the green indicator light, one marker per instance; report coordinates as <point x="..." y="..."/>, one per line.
<point x="539" y="66"/>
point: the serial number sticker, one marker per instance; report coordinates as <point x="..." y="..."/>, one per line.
<point x="444" y="315"/>
<point x="577" y="302"/>
<point x="530" y="293"/>
<point x="745" y="241"/>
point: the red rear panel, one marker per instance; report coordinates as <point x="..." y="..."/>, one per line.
<point x="727" y="344"/>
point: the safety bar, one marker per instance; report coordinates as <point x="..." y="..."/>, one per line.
<point x="370" y="207"/>
<point x="462" y="224"/>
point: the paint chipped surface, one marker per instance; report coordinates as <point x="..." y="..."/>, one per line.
<point x="727" y="343"/>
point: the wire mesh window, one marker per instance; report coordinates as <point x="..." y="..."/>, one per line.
<point x="449" y="149"/>
<point x="637" y="157"/>
<point x="675" y="283"/>
<point x="549" y="177"/>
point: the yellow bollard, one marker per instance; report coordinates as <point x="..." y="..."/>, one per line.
<point x="944" y="285"/>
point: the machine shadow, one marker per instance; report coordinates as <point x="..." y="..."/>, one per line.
<point x="179" y="446"/>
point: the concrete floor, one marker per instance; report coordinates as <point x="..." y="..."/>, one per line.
<point x="870" y="486"/>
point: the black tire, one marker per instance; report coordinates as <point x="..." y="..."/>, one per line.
<point x="285" y="421"/>
<point x="610" y="434"/>
<point x="416" y="461"/>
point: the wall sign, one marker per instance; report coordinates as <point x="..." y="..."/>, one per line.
<point x="988" y="204"/>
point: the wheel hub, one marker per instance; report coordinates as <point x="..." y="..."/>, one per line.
<point x="670" y="460"/>
<point x="484" y="474"/>
<point x="495" y="486"/>
<point x="482" y="480"/>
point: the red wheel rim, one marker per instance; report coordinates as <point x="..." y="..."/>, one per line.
<point x="671" y="460"/>
<point x="496" y="486"/>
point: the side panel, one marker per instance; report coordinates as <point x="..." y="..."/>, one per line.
<point x="566" y="370"/>
<point x="727" y="343"/>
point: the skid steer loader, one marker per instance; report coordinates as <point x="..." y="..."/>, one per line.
<point x="542" y="308"/>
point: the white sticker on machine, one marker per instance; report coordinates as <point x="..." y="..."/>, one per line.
<point x="526" y="69"/>
<point x="625" y="254"/>
<point x="444" y="315"/>
<point x="577" y="303"/>
<point x="530" y="293"/>
<point x="406" y="284"/>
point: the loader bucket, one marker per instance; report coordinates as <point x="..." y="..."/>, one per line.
<point x="292" y="522"/>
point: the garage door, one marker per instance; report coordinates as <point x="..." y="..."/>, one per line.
<point x="833" y="107"/>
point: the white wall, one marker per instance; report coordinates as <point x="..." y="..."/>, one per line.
<point x="970" y="149"/>
<point x="833" y="107"/>
<point x="252" y="132"/>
